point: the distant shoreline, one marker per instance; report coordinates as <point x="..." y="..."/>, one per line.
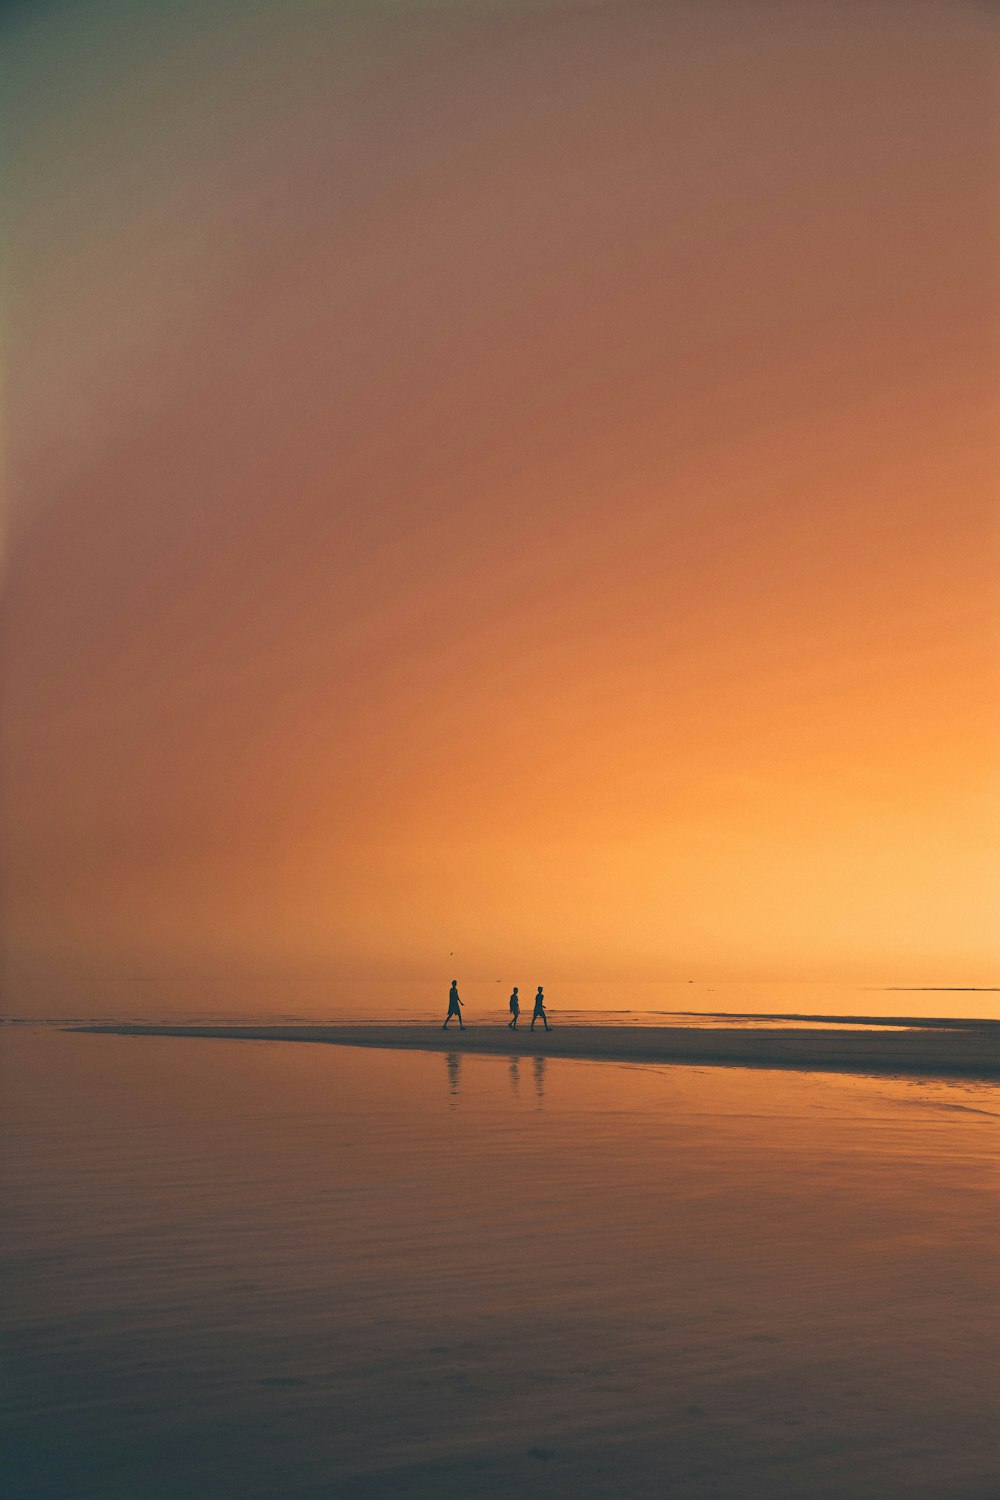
<point x="968" y="1049"/>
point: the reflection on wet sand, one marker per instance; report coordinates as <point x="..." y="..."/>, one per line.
<point x="969" y="1048"/>
<point x="539" y="1065"/>
<point x="692" y="1282"/>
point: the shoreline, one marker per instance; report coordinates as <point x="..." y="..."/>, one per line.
<point x="973" y="1052"/>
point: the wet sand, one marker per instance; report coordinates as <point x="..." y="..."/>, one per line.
<point x="969" y="1049"/>
<point x="246" y="1272"/>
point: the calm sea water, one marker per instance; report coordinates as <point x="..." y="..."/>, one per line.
<point x="238" y="1270"/>
<point x="485" y="1000"/>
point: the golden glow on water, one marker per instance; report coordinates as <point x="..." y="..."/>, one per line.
<point x="276" y="1268"/>
<point x="274" y="1001"/>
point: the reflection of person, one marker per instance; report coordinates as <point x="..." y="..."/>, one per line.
<point x="453" y="1007"/>
<point x="539" y="1013"/>
<point x="515" y="1011"/>
<point x="538" y="1064"/>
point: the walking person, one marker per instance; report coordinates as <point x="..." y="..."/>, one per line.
<point x="515" y="1011"/>
<point x="539" y="1013"/>
<point x="454" y="1007"/>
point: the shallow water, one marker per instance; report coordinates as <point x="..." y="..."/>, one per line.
<point x="240" y="1269"/>
<point x="337" y="1001"/>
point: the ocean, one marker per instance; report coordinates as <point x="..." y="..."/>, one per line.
<point x="267" y="1269"/>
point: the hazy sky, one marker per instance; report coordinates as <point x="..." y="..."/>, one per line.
<point x="513" y="480"/>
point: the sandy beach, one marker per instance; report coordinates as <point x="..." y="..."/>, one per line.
<point x="968" y="1049"/>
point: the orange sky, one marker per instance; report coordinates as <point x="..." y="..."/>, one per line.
<point x="514" y="479"/>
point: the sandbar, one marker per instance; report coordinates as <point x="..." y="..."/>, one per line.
<point x="970" y="1049"/>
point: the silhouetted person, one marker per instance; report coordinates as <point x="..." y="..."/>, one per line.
<point x="539" y="1013"/>
<point x="454" y="1007"/>
<point x="515" y="1011"/>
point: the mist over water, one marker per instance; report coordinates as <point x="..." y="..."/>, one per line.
<point x="261" y="1269"/>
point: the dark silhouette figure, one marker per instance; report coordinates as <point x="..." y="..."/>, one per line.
<point x="539" y="1013"/>
<point x="515" y="1011"/>
<point x="454" y="1007"/>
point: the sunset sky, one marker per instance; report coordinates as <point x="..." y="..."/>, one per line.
<point x="517" y="480"/>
